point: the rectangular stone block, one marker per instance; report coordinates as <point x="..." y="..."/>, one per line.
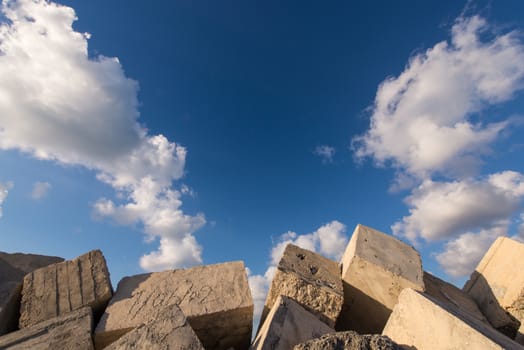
<point x="167" y="331"/>
<point x="421" y="322"/>
<point x="376" y="267"/>
<point x="311" y="280"/>
<point x="60" y="288"/>
<point x="13" y="268"/>
<point x="216" y="300"/>
<point x="286" y="325"/>
<point x="70" y="331"/>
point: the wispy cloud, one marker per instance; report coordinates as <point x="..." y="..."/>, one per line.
<point x="4" y="191"/>
<point x="40" y="190"/>
<point x="58" y="104"/>
<point x="325" y="152"/>
<point x="426" y="125"/>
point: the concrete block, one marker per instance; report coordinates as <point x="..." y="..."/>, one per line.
<point x="60" y="288"/>
<point x="287" y="325"/>
<point x="70" y="331"/>
<point x="454" y="298"/>
<point x="167" y="331"/>
<point x="13" y="268"/>
<point x="311" y="280"/>
<point x="216" y="300"/>
<point x="349" y="340"/>
<point x="376" y="267"/>
<point x="497" y="285"/>
<point x="422" y="322"/>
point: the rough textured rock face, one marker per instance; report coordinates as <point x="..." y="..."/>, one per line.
<point x="311" y="280"/>
<point x="424" y="323"/>
<point x="13" y="268"/>
<point x="286" y="325"/>
<point x="216" y="300"/>
<point x="71" y="331"/>
<point x="375" y="268"/>
<point x="60" y="288"/>
<point x="168" y="331"/>
<point x="349" y="340"/>
<point x="497" y="285"/>
<point x="453" y="297"/>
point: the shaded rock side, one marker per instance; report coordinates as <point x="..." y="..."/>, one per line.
<point x="71" y="331"/>
<point x="60" y="288"/>
<point x="497" y="285"/>
<point x="216" y="300"/>
<point x="349" y="340"/>
<point x="168" y="331"/>
<point x="287" y="325"/>
<point x="311" y="280"/>
<point x="13" y="268"/>
<point x="424" y="323"/>
<point x="376" y="267"/>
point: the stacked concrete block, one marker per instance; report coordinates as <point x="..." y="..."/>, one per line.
<point x="309" y="279"/>
<point x="286" y="325"/>
<point x="168" y="331"/>
<point x="375" y="268"/>
<point x="60" y="288"/>
<point x="497" y="285"/>
<point x="349" y="340"/>
<point x="421" y="322"/>
<point x="13" y="268"/>
<point x="70" y="331"/>
<point x="216" y="300"/>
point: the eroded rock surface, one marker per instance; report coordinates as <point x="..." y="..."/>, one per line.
<point x="311" y="280"/>
<point x="60" y="288"/>
<point x="349" y="340"/>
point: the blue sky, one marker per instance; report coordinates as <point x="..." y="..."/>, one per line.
<point x="189" y="132"/>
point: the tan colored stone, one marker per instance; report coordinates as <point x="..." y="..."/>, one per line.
<point x="311" y="280"/>
<point x="497" y="285"/>
<point x="452" y="296"/>
<point x="167" y="331"/>
<point x="60" y="288"/>
<point x="349" y="340"/>
<point x="70" y="331"/>
<point x="424" y="323"/>
<point x="287" y="325"/>
<point x="375" y="268"/>
<point x="216" y="300"/>
<point x="13" y="268"/>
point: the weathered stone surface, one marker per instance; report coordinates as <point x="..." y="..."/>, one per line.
<point x="13" y="268"/>
<point x="349" y="340"/>
<point x="311" y="280"/>
<point x="422" y="322"/>
<point x="287" y="325"/>
<point x="167" y="331"/>
<point x="216" y="300"/>
<point x="71" y="331"/>
<point x="375" y="268"/>
<point x="497" y="285"/>
<point x="452" y="296"/>
<point x="60" y="288"/>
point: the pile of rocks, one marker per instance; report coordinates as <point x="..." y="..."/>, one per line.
<point x="377" y="297"/>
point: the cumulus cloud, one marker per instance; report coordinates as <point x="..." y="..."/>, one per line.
<point x="40" y="190"/>
<point x="329" y="240"/>
<point x="4" y="191"/>
<point x="325" y="152"/>
<point x="422" y="121"/>
<point x="58" y="104"/>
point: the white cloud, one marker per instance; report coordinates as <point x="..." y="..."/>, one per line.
<point x="40" y="190"/>
<point x="422" y="120"/>
<point x="442" y="210"/>
<point x="4" y="191"/>
<point x="325" y="152"/>
<point x="329" y="240"/>
<point x="57" y="104"/>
